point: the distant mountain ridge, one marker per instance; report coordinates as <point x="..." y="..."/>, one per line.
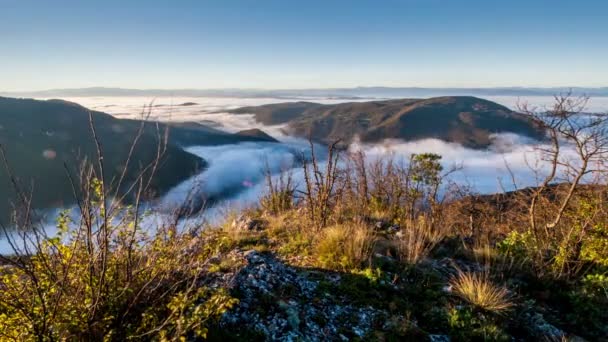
<point x="340" y="93"/>
<point x="39" y="137"/>
<point x="466" y="120"/>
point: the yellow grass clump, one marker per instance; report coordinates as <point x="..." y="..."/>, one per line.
<point x="479" y="290"/>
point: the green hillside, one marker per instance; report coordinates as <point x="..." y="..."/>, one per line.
<point x="40" y="137"/>
<point x="465" y="120"/>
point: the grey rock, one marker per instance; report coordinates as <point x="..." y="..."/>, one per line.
<point x="247" y="224"/>
<point x="540" y="328"/>
<point x="284" y="304"/>
<point x="439" y="338"/>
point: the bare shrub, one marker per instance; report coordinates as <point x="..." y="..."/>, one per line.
<point x="321" y="185"/>
<point x="568" y="125"/>
<point x="280" y="192"/>
<point x="560" y="230"/>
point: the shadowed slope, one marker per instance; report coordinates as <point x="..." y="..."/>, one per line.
<point x="39" y="137"/>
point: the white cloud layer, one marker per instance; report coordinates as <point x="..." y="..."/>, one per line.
<point x="238" y="169"/>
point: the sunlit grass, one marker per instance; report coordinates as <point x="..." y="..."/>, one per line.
<point x="479" y="290"/>
<point x="345" y="246"/>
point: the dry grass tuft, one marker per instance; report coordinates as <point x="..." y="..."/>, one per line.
<point x="345" y="247"/>
<point x="417" y="240"/>
<point x="479" y="290"/>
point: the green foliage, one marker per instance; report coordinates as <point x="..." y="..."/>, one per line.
<point x="426" y="168"/>
<point x="516" y="245"/>
<point x="588" y="302"/>
<point x="112" y="282"/>
<point x="576" y="253"/>
<point x="595" y="246"/>
<point x="188" y="314"/>
<point x="297" y="243"/>
<point x="373" y="275"/>
<point x="467" y="325"/>
<point x="583" y="242"/>
<point x="596" y="285"/>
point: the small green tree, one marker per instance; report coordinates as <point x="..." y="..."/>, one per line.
<point x="422" y="183"/>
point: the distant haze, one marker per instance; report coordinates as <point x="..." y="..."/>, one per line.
<point x="338" y="93"/>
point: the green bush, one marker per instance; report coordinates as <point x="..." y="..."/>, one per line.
<point x="516" y="245"/>
<point x="588" y="302"/>
<point x="109" y="281"/>
<point x="468" y="325"/>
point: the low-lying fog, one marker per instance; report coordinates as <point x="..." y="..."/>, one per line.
<point x="236" y="172"/>
<point x="231" y="165"/>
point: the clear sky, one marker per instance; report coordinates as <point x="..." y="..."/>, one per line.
<point x="306" y="43"/>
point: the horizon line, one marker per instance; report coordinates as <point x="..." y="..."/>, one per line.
<point x="306" y="88"/>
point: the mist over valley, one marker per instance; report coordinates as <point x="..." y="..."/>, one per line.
<point x="234" y="146"/>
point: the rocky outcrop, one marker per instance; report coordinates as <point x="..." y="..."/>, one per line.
<point x="244" y="223"/>
<point x="283" y="303"/>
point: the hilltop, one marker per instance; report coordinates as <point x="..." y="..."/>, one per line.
<point x="466" y="120"/>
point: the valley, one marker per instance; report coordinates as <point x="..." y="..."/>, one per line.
<point x="214" y="186"/>
<point x="63" y="130"/>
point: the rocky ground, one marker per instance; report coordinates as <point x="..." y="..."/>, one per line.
<point x="279" y="302"/>
<point x="284" y="303"/>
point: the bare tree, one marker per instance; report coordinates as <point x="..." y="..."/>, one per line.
<point x="281" y="191"/>
<point x="567" y="125"/>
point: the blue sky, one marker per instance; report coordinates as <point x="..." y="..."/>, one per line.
<point x="302" y="44"/>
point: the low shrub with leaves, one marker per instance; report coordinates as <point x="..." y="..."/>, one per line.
<point x="467" y="325"/>
<point x="104" y="278"/>
<point x="588" y="302"/>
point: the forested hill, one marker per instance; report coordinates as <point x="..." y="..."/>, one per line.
<point x="466" y="120"/>
<point x="40" y="137"/>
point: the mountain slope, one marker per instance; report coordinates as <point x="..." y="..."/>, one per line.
<point x="278" y="113"/>
<point x="465" y="120"/>
<point x="40" y="137"/>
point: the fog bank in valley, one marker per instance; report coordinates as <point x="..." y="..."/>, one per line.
<point x="235" y="177"/>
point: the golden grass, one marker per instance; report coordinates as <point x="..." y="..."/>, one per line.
<point x="417" y="240"/>
<point x="479" y="290"/>
<point x="345" y="246"/>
